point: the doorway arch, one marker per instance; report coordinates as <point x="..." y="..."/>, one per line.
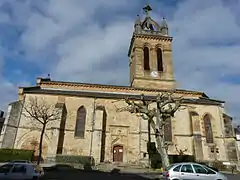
<point x="118" y="153"/>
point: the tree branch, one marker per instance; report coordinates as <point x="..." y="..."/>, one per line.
<point x="42" y="112"/>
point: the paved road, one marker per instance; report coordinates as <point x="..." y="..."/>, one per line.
<point x="93" y="175"/>
<point x="72" y="174"/>
<point x="233" y="177"/>
<point x="90" y="175"/>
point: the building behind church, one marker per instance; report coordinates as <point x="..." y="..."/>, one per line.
<point x="91" y="124"/>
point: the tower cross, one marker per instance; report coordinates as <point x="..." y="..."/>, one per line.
<point x="147" y="9"/>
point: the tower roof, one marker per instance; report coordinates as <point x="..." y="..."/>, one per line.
<point x="149" y="25"/>
<point x="149" y="28"/>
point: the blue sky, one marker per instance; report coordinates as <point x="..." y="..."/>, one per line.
<point x="87" y="41"/>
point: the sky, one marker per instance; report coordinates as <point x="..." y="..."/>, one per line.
<point x="88" y="40"/>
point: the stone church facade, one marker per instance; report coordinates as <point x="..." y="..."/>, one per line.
<point x="92" y="125"/>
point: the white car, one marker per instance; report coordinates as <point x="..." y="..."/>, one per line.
<point x="18" y="170"/>
<point x="182" y="171"/>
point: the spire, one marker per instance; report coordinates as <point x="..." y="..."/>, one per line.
<point x="147" y="9"/>
<point x="137" y="21"/>
<point x="164" y="26"/>
<point x="164" y="23"/>
<point x="137" y="25"/>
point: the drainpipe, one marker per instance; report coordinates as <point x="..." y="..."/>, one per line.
<point x="93" y="125"/>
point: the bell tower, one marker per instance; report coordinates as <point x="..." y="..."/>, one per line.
<point x="150" y="54"/>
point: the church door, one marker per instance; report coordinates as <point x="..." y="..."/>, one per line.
<point x="118" y="153"/>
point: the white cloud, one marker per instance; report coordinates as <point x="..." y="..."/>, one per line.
<point x="201" y="51"/>
<point x="95" y="46"/>
<point x="82" y="40"/>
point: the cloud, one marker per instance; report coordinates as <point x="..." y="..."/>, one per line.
<point x="87" y="41"/>
<point x="95" y="47"/>
<point x="206" y="49"/>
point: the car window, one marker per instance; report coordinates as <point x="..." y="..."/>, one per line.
<point x="6" y="168"/>
<point x="187" y="168"/>
<point x="19" y="168"/>
<point x="199" y="169"/>
<point x="20" y="161"/>
<point x="177" y="169"/>
<point x="209" y="170"/>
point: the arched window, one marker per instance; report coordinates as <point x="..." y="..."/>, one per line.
<point x="159" y="60"/>
<point x="146" y="58"/>
<point x="168" y="130"/>
<point x="80" y="122"/>
<point x="208" y="128"/>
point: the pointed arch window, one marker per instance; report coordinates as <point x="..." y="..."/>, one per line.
<point x="168" y="130"/>
<point x="208" y="128"/>
<point x="146" y="58"/>
<point x="80" y="122"/>
<point x="159" y="60"/>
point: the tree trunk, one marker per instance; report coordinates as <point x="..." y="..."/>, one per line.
<point x="160" y="146"/>
<point x="149" y="140"/>
<point x="40" y="145"/>
<point x="163" y="152"/>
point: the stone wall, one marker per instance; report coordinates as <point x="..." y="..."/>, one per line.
<point x="106" y="127"/>
<point x="11" y="124"/>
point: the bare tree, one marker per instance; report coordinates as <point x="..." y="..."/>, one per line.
<point x="42" y="112"/>
<point x="181" y="152"/>
<point x="165" y="107"/>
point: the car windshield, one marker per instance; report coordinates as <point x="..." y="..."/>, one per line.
<point x="169" y="167"/>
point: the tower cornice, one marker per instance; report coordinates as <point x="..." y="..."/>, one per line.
<point x="148" y="36"/>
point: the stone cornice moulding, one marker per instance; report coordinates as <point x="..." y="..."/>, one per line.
<point x="60" y="85"/>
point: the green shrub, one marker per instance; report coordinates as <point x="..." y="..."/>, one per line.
<point x="181" y="158"/>
<point x="151" y="148"/>
<point x="69" y="159"/>
<point x="156" y="161"/>
<point x="7" y="155"/>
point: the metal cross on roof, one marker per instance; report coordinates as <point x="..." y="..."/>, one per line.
<point x="147" y="9"/>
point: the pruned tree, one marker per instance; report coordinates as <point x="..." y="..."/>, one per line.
<point x="157" y="111"/>
<point x="39" y="110"/>
<point x="181" y="152"/>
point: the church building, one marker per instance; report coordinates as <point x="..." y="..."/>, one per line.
<point x="91" y="124"/>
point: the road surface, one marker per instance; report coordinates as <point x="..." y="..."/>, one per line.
<point x="72" y="174"/>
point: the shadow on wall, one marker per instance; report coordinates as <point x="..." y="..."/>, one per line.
<point x="33" y="144"/>
<point x="1" y="120"/>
